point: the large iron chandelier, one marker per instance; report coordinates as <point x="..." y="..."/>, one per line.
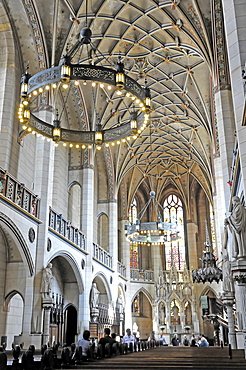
<point x="209" y="271"/>
<point x="113" y="80"/>
<point x="151" y="232"/>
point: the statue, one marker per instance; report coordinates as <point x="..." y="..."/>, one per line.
<point x="175" y="312"/>
<point x="120" y="304"/>
<point x="237" y="226"/>
<point x="94" y="296"/>
<point x="46" y="281"/>
<point x="227" y="275"/>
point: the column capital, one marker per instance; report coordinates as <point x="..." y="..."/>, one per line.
<point x="91" y="166"/>
<point x="239" y="271"/>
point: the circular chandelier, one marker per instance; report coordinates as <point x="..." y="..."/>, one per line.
<point x="112" y="80"/>
<point x="152" y="232"/>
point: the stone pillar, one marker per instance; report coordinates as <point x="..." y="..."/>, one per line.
<point x="43" y="185"/>
<point x="192" y="229"/>
<point x="226" y="129"/>
<point x="47" y="305"/>
<point x="87" y="228"/>
<point x="126" y="261"/>
<point x="228" y="301"/>
<point x="235" y="29"/>
<point x="239" y="274"/>
<point x="113" y="232"/>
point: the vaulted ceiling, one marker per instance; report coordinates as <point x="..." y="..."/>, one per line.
<point x="165" y="44"/>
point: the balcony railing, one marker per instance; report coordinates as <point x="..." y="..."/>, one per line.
<point x="121" y="269"/>
<point x="142" y="275"/>
<point x="102" y="256"/>
<point x="64" y="227"/>
<point x="17" y="193"/>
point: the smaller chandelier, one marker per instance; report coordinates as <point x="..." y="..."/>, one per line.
<point x="152" y="232"/>
<point x="209" y="271"/>
<point x="113" y="80"/>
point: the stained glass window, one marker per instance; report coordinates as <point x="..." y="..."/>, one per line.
<point x="213" y="242"/>
<point x="175" y="242"/>
<point x="136" y="305"/>
<point x="133" y="212"/>
<point x="133" y="247"/>
<point x="133" y="256"/>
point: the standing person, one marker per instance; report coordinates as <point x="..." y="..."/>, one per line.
<point x="175" y="340"/>
<point x="106" y="342"/>
<point x="129" y="339"/>
<point x="84" y="344"/>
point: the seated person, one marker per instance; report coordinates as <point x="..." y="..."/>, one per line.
<point x="163" y="341"/>
<point x="193" y="342"/>
<point x="106" y="343"/>
<point x="203" y="342"/>
<point x="3" y="359"/>
<point x="84" y="343"/>
<point x="129" y="339"/>
<point x="116" y="345"/>
<point x="186" y="341"/>
<point x="175" y="340"/>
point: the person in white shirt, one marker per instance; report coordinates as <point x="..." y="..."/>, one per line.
<point x="84" y="344"/>
<point x="129" y="339"/>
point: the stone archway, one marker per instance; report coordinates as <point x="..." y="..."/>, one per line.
<point x="70" y="321"/>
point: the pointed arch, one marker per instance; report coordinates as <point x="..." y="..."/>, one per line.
<point x="74" y="265"/>
<point x="9" y="226"/>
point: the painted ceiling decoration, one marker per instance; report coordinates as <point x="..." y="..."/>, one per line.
<point x="165" y="44"/>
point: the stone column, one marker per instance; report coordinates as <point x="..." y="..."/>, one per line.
<point x="235" y="29"/>
<point x="47" y="305"/>
<point x="126" y="261"/>
<point x="113" y="232"/>
<point x="43" y="185"/>
<point x="239" y="274"/>
<point x="87" y="228"/>
<point x="191" y="238"/>
<point x="228" y="301"/>
<point x="226" y="129"/>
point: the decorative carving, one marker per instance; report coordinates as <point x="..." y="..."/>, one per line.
<point x="237" y="225"/>
<point x="31" y="235"/>
<point x="47" y="281"/>
<point x="49" y="245"/>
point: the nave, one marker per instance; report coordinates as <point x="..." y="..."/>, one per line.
<point x="174" y="358"/>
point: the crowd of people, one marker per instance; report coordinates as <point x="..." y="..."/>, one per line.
<point x="200" y="341"/>
<point x="109" y="345"/>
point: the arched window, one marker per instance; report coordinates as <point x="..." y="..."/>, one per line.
<point x="175" y="242"/>
<point x="74" y="204"/>
<point x="102" y="231"/>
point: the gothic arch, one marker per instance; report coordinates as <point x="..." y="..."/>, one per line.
<point x="8" y="298"/>
<point x="105" y="282"/>
<point x="146" y="293"/>
<point x="9" y="226"/>
<point x="74" y="265"/>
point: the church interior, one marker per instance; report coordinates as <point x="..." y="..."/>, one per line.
<point x="122" y="170"/>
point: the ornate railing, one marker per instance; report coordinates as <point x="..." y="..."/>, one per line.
<point x="121" y="269"/>
<point x="102" y="256"/>
<point x="64" y="227"/>
<point x="17" y="193"/>
<point x="142" y="275"/>
<point x="106" y="316"/>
